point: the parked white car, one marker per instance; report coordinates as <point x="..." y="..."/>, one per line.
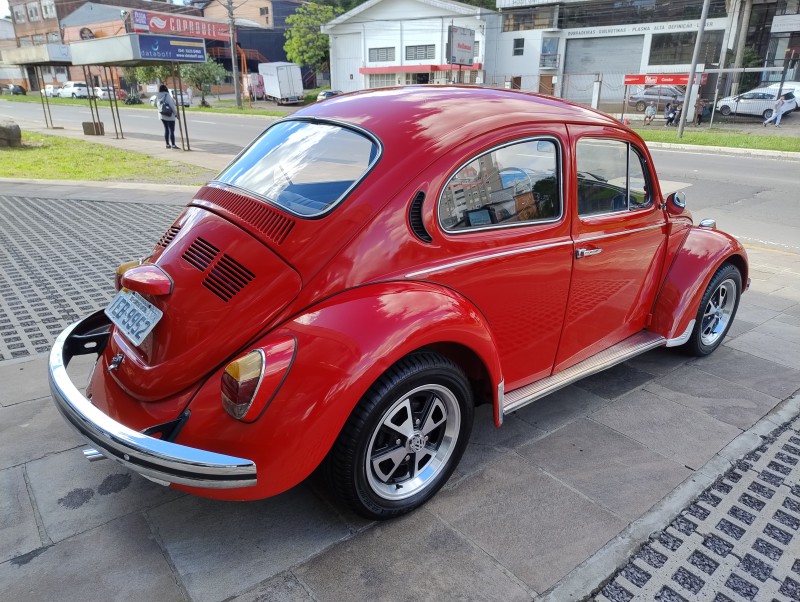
<point x="50" y="90"/>
<point x="74" y="90"/>
<point x="186" y="100"/>
<point x="756" y="102"/>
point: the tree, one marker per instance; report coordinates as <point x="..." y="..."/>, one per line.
<point x="152" y="72"/>
<point x="305" y="44"/>
<point x="201" y="74"/>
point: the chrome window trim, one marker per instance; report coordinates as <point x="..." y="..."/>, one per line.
<point x="471" y="260"/>
<point x="559" y="172"/>
<point x="644" y="163"/>
<point x="336" y="122"/>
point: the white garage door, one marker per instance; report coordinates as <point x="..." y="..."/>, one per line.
<point x="613" y="57"/>
<point x="345" y="61"/>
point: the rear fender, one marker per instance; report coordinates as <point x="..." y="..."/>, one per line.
<point x="702" y="253"/>
<point x="344" y="344"/>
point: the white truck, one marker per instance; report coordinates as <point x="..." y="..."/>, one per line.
<point x="282" y="82"/>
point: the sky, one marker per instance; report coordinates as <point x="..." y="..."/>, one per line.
<point x="4" y="12"/>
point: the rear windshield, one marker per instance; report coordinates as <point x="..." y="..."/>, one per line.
<point x="303" y="167"/>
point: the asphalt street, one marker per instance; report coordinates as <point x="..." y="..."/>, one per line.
<point x="665" y="478"/>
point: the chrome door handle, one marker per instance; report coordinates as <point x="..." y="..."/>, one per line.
<point x="586" y="252"/>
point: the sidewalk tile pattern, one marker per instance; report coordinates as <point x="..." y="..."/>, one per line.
<point x="738" y="541"/>
<point x="57" y="261"/>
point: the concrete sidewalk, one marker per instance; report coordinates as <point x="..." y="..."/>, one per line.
<point x="547" y="507"/>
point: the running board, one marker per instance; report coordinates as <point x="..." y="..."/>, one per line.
<point x="635" y="345"/>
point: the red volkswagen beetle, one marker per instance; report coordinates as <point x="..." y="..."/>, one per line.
<point x="368" y="271"/>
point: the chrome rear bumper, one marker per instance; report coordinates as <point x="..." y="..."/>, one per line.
<point x="159" y="460"/>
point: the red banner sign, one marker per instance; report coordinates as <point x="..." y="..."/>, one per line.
<point x="654" y="79"/>
<point x="164" y="23"/>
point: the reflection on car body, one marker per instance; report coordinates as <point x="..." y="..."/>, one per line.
<point x="368" y="271"/>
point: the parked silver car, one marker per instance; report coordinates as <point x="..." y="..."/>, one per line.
<point x="661" y="95"/>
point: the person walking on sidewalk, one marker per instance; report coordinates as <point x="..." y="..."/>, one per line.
<point x="777" y="112"/>
<point x="167" y="111"/>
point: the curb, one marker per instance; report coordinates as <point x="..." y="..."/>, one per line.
<point x="753" y="152"/>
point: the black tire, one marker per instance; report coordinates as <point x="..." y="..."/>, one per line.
<point x="767" y="114"/>
<point x="716" y="312"/>
<point x="725" y="110"/>
<point x="640" y="106"/>
<point x="421" y="391"/>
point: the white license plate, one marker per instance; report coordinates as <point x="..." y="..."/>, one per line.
<point x="133" y="315"/>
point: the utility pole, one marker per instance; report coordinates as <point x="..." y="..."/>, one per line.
<point x="234" y="69"/>
<point x="695" y="55"/>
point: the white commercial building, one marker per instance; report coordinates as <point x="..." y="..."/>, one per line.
<point x="561" y="48"/>
<point x="397" y="42"/>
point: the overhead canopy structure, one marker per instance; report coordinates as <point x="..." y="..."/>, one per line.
<point x="44" y="54"/>
<point x="134" y="50"/>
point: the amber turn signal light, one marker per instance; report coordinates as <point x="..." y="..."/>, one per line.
<point x="250" y="382"/>
<point x="121" y="269"/>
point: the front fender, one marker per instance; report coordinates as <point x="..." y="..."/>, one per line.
<point x="702" y="253"/>
<point x="344" y="344"/>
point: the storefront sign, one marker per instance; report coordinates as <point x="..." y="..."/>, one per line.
<point x="171" y="48"/>
<point x="460" y="45"/>
<point x="642" y="28"/>
<point x="654" y="79"/>
<point x="164" y="23"/>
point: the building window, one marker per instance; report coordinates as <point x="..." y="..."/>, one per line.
<point x="530" y="18"/>
<point x="381" y="55"/>
<point x="612" y="12"/>
<point x="382" y="80"/>
<point x="38" y="39"/>
<point x="476" y="49"/>
<point x="18" y="13"/>
<point x="53" y="38"/>
<point x="33" y="11"/>
<point x="519" y="46"/>
<point x="677" y="48"/>
<point x="264" y="11"/>
<point x="421" y="53"/>
<point x="25" y="41"/>
<point x="48" y="9"/>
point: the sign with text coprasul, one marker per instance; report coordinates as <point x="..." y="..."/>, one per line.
<point x="163" y="23"/>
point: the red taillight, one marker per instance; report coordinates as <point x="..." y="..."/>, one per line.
<point x="250" y="382"/>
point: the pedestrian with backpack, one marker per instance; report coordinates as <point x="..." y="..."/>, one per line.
<point x="167" y="112"/>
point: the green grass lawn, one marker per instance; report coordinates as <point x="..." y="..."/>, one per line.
<point x="720" y="137"/>
<point x="58" y="158"/>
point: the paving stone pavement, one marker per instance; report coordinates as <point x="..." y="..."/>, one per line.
<point x="549" y="507"/>
<point x="50" y="277"/>
<point x="738" y="541"/>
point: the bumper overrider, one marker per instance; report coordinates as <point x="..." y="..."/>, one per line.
<point x="162" y="461"/>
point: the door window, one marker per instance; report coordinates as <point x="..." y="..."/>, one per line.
<point x="511" y="185"/>
<point x="611" y="177"/>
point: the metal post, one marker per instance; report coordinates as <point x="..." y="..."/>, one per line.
<point x="48" y="118"/>
<point x="112" y="100"/>
<point x="741" y="40"/>
<point x="183" y="126"/>
<point x="234" y="69"/>
<point x="690" y="84"/>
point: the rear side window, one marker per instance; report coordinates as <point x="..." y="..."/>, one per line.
<point x="303" y="167"/>
<point x="508" y="186"/>
<point x="611" y="177"/>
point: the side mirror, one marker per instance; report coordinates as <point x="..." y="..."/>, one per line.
<point x="676" y="203"/>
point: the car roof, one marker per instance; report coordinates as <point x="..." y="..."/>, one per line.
<point x="431" y="113"/>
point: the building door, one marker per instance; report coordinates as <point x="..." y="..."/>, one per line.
<point x="546" y="85"/>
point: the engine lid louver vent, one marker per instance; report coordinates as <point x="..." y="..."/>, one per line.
<point x="201" y="254"/>
<point x="225" y="276"/>
<point x="270" y="222"/>
<point x="415" y="218"/>
<point x="167" y="237"/>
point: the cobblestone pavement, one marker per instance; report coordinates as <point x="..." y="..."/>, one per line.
<point x="49" y="276"/>
<point x="737" y="541"/>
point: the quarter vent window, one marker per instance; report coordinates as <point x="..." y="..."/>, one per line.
<point x="415" y="218"/>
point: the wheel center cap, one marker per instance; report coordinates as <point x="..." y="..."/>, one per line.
<point x="416" y="442"/>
